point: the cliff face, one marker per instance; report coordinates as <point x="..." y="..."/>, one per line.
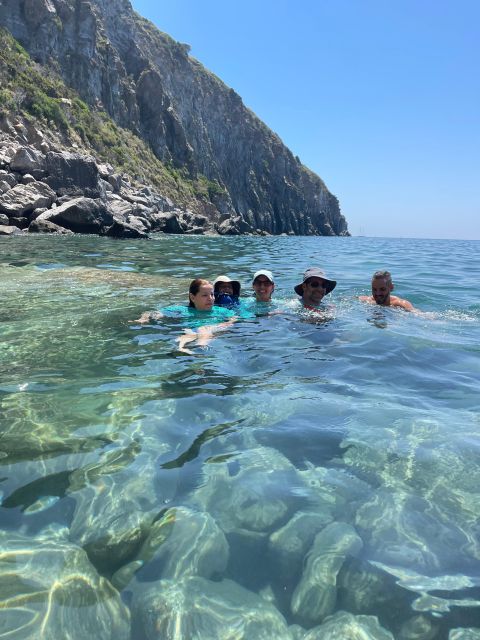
<point x="120" y="63"/>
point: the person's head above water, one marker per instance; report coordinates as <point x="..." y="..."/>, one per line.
<point x="314" y="287"/>
<point x="226" y="291"/>
<point x="382" y="286"/>
<point x="200" y="295"/>
<point x="263" y="285"/>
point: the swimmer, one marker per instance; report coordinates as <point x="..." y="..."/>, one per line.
<point x="314" y="287"/>
<point x="382" y="286"/>
<point x="226" y="292"/>
<point x="263" y="285"/>
<point x="203" y="319"/>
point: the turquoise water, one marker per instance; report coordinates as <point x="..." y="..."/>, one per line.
<point x="289" y="471"/>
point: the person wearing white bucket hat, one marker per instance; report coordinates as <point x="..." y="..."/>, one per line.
<point x="226" y="292"/>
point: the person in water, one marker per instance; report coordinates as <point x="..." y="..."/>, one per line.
<point x="382" y="287"/>
<point x="314" y="287"/>
<point x="226" y="291"/>
<point x="263" y="285"/>
<point x="202" y="318"/>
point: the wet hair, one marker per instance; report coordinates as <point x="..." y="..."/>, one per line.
<point x="194" y="288"/>
<point x="383" y="275"/>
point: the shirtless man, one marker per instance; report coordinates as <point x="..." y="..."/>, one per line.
<point x="382" y="286"/>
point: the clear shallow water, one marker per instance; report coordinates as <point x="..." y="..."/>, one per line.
<point x="288" y="472"/>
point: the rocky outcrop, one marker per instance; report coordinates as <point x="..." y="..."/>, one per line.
<point x="71" y="193"/>
<point x="148" y="83"/>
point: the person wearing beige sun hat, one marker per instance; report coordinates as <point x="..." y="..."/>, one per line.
<point x="314" y="287"/>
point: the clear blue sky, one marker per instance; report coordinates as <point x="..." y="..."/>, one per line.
<point x="381" y="98"/>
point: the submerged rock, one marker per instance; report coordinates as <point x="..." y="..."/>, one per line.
<point x="183" y="543"/>
<point x="316" y="594"/>
<point x="49" y="589"/>
<point x="345" y="626"/>
<point x="418" y="628"/>
<point x="116" y="503"/>
<point x="472" y="633"/>
<point x="205" y="610"/>
<point x="289" y="545"/>
<point x="366" y="589"/>
<point x="251" y="499"/>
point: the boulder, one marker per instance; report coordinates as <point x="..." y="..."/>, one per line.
<point x="73" y="174"/>
<point x="7" y="177"/>
<point x="466" y="633"/>
<point x="183" y="543"/>
<point x="4" y="221"/>
<point x="45" y="226"/>
<point x="201" y="609"/>
<point x="81" y="215"/>
<point x="234" y="226"/>
<point x="49" y="589"/>
<point x="315" y="596"/>
<point x="167" y="223"/>
<point x="121" y="229"/>
<point x="116" y="504"/>
<point x="349" y="627"/>
<point x="115" y="180"/>
<point x="27" y="159"/>
<point x="24" y="198"/>
<point x="20" y="222"/>
<point x="7" y="230"/>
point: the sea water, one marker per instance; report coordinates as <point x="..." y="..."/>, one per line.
<point x="296" y="474"/>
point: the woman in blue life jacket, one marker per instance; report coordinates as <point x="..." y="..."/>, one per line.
<point x="227" y="292"/>
<point x="202" y="318"/>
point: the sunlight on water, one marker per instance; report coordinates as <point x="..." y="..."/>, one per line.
<point x="295" y="479"/>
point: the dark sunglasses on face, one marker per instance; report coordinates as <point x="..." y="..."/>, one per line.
<point x="317" y="284"/>
<point x="267" y="282"/>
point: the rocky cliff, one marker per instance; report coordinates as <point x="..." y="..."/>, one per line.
<point x="119" y="63"/>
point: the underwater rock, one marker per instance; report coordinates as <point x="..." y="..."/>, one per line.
<point x="395" y="527"/>
<point x="298" y="632"/>
<point x="422" y="585"/>
<point x="472" y="633"/>
<point x="251" y="498"/>
<point x="418" y="628"/>
<point x="49" y="589"/>
<point x="116" y="505"/>
<point x="205" y="610"/>
<point x="333" y="491"/>
<point x="183" y="543"/>
<point x="365" y="589"/>
<point x="345" y="626"/>
<point x="288" y="545"/>
<point x="316" y="593"/>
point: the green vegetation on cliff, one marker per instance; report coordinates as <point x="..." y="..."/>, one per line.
<point x="45" y="100"/>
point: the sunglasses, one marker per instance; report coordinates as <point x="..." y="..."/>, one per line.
<point x="257" y="281"/>
<point x="317" y="284"/>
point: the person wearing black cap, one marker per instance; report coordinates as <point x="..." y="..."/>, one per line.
<point x="314" y="286"/>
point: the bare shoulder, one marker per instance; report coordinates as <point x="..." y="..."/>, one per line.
<point x="400" y="302"/>
<point x="368" y="299"/>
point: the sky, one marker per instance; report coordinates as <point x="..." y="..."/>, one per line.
<point x="380" y="98"/>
